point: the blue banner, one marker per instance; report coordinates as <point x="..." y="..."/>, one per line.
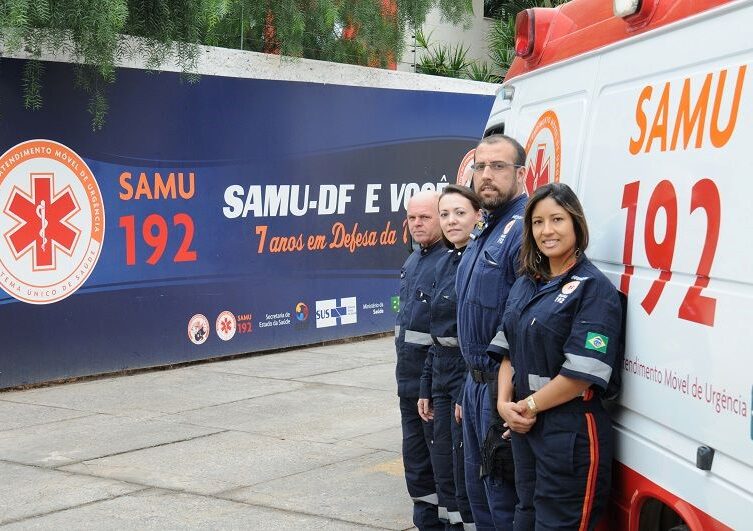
<point x="226" y="217"/>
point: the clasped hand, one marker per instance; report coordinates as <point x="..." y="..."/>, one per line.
<point x="516" y="415"/>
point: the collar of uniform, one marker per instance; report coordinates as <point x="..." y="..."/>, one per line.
<point x="558" y="281"/>
<point x="503" y="212"/>
<point x="457" y="252"/>
<point x="430" y="248"/>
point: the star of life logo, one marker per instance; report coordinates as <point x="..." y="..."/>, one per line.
<point x="225" y="325"/>
<point x="544" y="152"/>
<point x="52" y="221"/>
<point x="330" y="313"/>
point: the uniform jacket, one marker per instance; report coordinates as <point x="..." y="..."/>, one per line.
<point x="412" y="339"/>
<point x="443" y="326"/>
<point x="485" y="274"/>
<point x="570" y="326"/>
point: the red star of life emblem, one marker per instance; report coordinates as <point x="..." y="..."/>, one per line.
<point x="226" y="326"/>
<point x="538" y="170"/>
<point x="42" y="221"/>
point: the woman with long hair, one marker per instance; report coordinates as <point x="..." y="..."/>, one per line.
<point x="560" y="336"/>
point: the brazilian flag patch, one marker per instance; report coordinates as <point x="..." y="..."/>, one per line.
<point x="597" y="342"/>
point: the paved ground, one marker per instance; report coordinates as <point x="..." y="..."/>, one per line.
<point x="303" y="439"/>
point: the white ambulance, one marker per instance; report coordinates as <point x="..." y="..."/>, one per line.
<point x="645" y="107"/>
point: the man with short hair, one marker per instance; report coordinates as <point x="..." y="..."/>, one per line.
<point x="412" y="342"/>
<point x="486" y="272"/>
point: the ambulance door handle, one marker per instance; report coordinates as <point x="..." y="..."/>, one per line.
<point x="704" y="457"/>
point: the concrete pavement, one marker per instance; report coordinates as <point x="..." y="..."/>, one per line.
<point x="302" y="439"/>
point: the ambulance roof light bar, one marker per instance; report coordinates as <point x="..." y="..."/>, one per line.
<point x="531" y="31"/>
<point x="524" y="33"/>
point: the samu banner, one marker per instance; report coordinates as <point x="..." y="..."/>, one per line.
<point x="231" y="216"/>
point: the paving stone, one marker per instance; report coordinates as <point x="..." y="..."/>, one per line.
<point x="325" y="413"/>
<point x="160" y="510"/>
<point x="28" y="490"/>
<point x="379" y="350"/>
<point x="153" y="394"/>
<point x="287" y="365"/>
<point x="75" y="440"/>
<point x="381" y="376"/>
<point x="217" y="463"/>
<point x="369" y="490"/>
<point x="389" y="440"/>
<point x="17" y="415"/>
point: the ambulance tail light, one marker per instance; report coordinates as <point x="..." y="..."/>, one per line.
<point x="531" y="29"/>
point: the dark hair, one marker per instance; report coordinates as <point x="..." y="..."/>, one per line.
<point x="566" y="198"/>
<point x="520" y="152"/>
<point x="466" y="192"/>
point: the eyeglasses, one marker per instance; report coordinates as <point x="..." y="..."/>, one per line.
<point x="497" y="166"/>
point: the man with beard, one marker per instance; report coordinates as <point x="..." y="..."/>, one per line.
<point x="412" y="342"/>
<point x="486" y="272"/>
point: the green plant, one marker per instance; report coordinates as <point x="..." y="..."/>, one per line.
<point x="368" y="32"/>
<point x="501" y="36"/>
<point x="482" y="72"/>
<point x="441" y="59"/>
<point x="501" y="42"/>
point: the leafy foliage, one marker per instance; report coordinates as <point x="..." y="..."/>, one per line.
<point x="450" y="61"/>
<point x="501" y="36"/>
<point x="366" y="32"/>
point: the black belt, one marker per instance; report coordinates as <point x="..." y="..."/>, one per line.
<point x="480" y="376"/>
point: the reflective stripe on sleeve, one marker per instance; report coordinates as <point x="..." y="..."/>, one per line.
<point x="397" y="330"/>
<point x="469" y="527"/>
<point x="454" y="517"/>
<point x="418" y="338"/>
<point x="500" y="341"/>
<point x="587" y="365"/>
<point x="448" y="341"/>
<point x="536" y="382"/>
<point x="442" y="513"/>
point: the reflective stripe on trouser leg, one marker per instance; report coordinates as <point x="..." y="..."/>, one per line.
<point x="454" y="517"/>
<point x="429" y="498"/>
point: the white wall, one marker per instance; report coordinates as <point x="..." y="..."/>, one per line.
<point x="245" y="64"/>
<point x="473" y="37"/>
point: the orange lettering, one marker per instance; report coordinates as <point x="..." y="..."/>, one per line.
<point x="640" y="119"/>
<point x="125" y="184"/>
<point x="687" y="121"/>
<point x="659" y="128"/>
<point x="720" y="138"/>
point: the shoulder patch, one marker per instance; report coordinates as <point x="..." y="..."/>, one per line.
<point x="597" y="342"/>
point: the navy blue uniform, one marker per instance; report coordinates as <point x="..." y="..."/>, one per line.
<point x="412" y="342"/>
<point x="442" y="382"/>
<point x="485" y="274"/>
<point x="570" y="326"/>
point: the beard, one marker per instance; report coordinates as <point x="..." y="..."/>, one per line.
<point x="500" y="199"/>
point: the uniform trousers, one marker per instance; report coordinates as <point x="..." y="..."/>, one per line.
<point x="448" y="376"/>
<point x="563" y="468"/>
<point x="492" y="499"/>
<point x="419" y="475"/>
